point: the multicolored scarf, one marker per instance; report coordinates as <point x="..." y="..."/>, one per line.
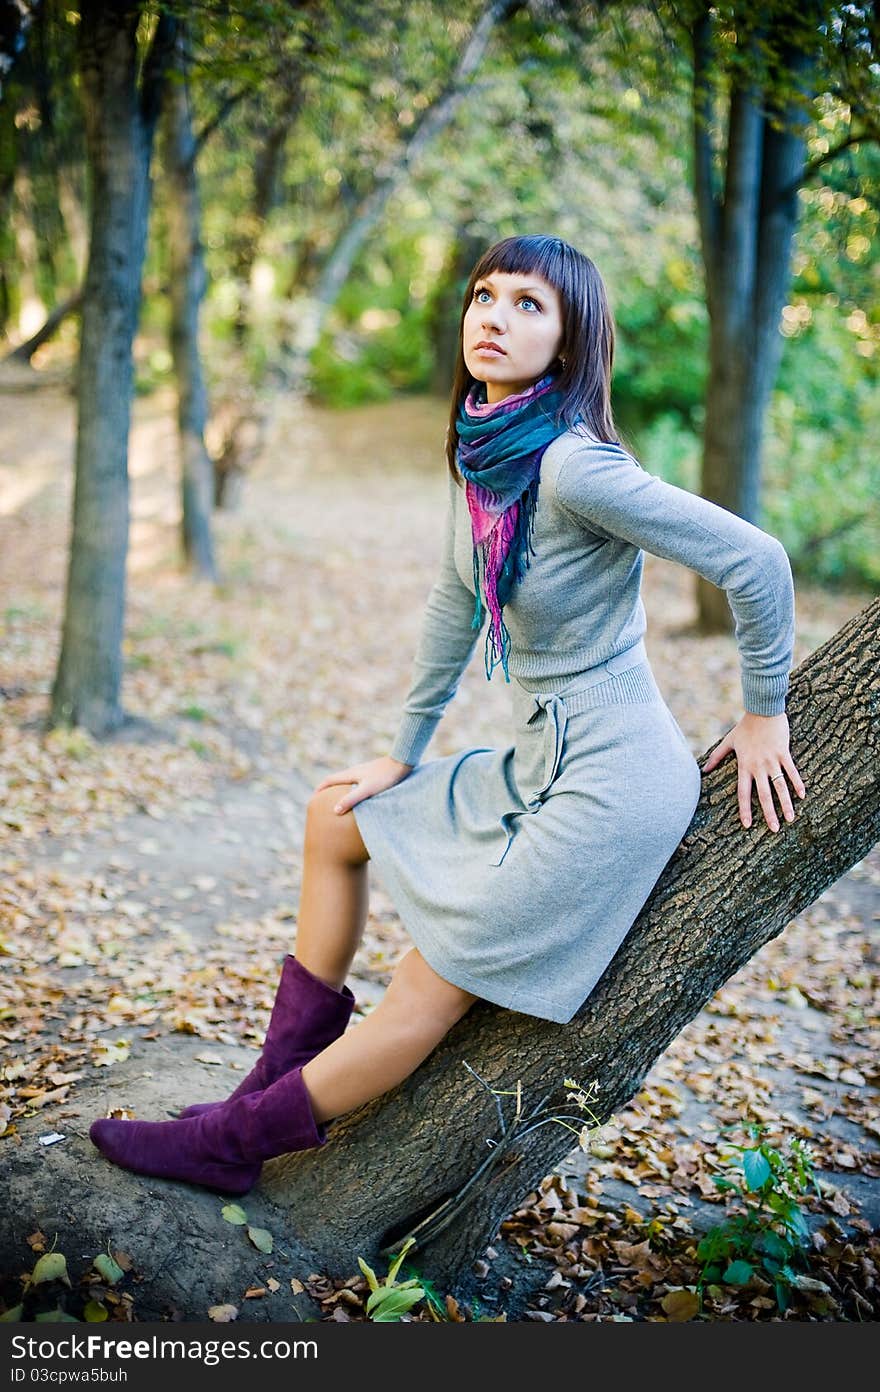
<point x="499" y="454"/>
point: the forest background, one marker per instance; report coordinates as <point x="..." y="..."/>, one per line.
<point x="323" y="177"/>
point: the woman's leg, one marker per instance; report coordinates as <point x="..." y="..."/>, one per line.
<point x="417" y="1010"/>
<point x="225" y="1146"/>
<point x="312" y="1005"/>
<point x="334" y="898"/>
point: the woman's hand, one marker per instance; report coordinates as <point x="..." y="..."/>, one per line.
<point x="372" y="777"/>
<point x="760" y="743"/>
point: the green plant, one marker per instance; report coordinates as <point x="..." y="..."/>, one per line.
<point x="391" y="1299"/>
<point x="771" y="1234"/>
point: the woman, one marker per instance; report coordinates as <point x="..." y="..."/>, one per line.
<point x="518" y="870"/>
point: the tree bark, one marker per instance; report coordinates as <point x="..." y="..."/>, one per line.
<point x="725" y="892"/>
<point x="187" y="287"/>
<point x="120" y="124"/>
<point x="746" y="238"/>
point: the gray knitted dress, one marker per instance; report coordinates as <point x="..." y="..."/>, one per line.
<point x="518" y="870"/>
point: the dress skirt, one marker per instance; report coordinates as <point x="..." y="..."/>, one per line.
<point x="518" y="871"/>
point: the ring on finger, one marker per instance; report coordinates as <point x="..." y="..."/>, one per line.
<point x="777" y="775"/>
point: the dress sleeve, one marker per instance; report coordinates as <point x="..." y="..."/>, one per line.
<point x="445" y="646"/>
<point x="607" y="490"/>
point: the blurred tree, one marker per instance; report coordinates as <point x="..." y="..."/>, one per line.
<point x="186" y="279"/>
<point x="42" y="213"/>
<point x="121" y="111"/>
<point x="435" y="115"/>
<point x="768" y="65"/>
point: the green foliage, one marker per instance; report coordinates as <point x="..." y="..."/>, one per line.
<point x="768" y="1239"/>
<point x="822" y="471"/>
<point x="392" y="1298"/>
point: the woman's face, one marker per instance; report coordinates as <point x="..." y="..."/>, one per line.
<point x="522" y="315"/>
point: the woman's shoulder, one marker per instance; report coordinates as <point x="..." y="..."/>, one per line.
<point x="580" y="441"/>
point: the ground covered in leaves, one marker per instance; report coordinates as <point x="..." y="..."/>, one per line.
<point x="149" y="884"/>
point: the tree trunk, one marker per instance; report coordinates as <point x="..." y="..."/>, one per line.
<point x="389" y="178"/>
<point x="120" y="123"/>
<point x="746" y="239"/>
<point x="725" y="892"/>
<point x="188" y="282"/>
<point x="394" y="1163"/>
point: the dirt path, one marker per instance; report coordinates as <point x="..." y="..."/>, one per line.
<point x="151" y="884"/>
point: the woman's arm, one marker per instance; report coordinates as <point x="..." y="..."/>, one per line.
<point x="609" y="492"/>
<point x="444" y="649"/>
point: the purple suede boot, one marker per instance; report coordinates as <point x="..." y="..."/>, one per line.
<point x="225" y="1147"/>
<point x="306" y="1017"/>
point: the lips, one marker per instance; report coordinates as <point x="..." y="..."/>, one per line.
<point x="490" y="347"/>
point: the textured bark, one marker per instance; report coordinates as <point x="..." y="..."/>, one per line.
<point x="725" y="892"/>
<point x="746" y="237"/>
<point x="187" y="287"/>
<point x="120" y="123"/>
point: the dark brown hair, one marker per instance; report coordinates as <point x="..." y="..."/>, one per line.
<point x="587" y="332"/>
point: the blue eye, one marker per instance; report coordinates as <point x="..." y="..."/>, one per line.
<point x="524" y="299"/>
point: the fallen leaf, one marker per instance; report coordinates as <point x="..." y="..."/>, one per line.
<point x="108" y="1268"/>
<point x="108" y="1053"/>
<point x="235" y="1214"/>
<point x="680" y="1305"/>
<point x="262" y="1239"/>
<point x="222" y="1314"/>
<point x="51" y="1267"/>
<point x="453" y="1311"/>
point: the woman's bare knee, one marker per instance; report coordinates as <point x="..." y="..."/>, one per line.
<point x="329" y="833"/>
<point x="415" y="986"/>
